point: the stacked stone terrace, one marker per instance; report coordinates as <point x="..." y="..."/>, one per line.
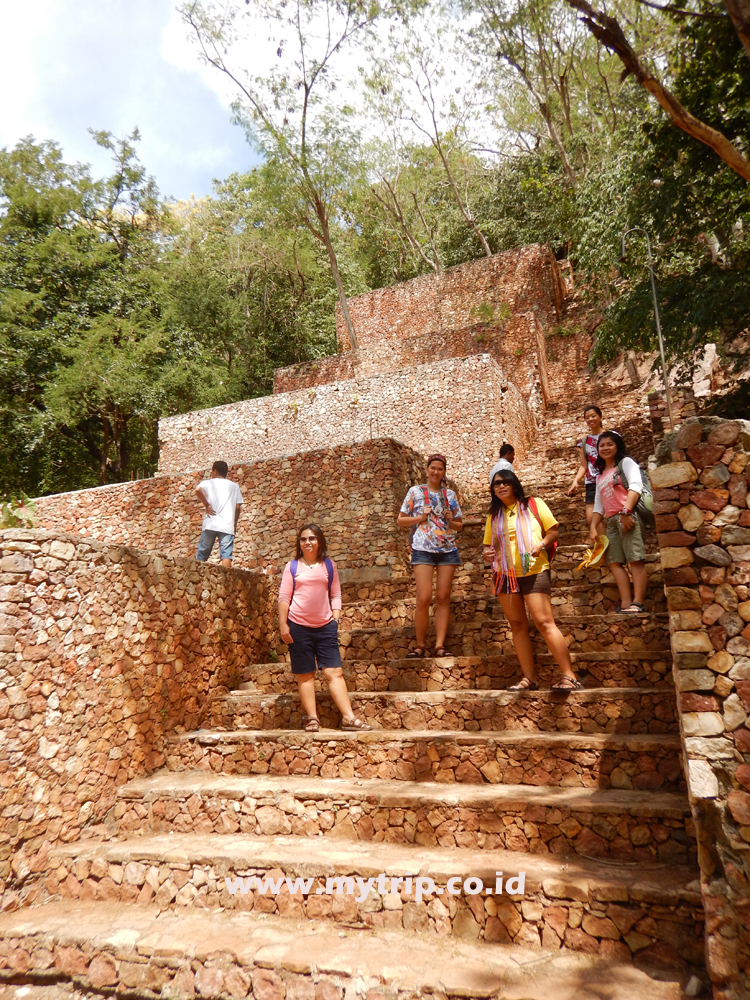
<point x="151" y="747"/>
<point x="458" y="360"/>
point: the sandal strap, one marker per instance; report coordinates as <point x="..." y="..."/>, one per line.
<point x="567" y="684"/>
<point x="523" y="685"/>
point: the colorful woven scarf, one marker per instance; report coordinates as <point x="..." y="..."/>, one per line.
<point x="503" y="568"/>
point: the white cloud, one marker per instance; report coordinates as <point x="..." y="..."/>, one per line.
<point x="65" y="68"/>
<point x="179" y="49"/>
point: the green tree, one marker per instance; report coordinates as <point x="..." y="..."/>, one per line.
<point x="80" y="329"/>
<point x="249" y="288"/>
<point x="293" y="110"/>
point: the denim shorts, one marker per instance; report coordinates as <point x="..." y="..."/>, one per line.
<point x="420" y="558"/>
<point x="314" y="644"/>
<point x="206" y="544"/>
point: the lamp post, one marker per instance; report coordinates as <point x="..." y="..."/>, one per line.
<point x="623" y="258"/>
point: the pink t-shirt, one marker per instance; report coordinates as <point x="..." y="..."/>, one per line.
<point x="613" y="494"/>
<point x="310" y="605"/>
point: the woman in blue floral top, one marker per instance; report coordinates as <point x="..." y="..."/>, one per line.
<point x="435" y="515"/>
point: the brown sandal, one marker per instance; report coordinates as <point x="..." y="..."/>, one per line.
<point x="355" y="725"/>
<point x="310" y="724"/>
<point x="440" y="652"/>
<point x="416" y="654"/>
<point x="567" y="684"/>
<point x="525" y="684"/>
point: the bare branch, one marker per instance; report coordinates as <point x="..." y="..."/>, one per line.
<point x="671" y="9"/>
<point x="608" y="31"/>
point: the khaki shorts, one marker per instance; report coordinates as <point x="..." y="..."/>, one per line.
<point x="626" y="546"/>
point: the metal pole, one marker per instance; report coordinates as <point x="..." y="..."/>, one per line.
<point x="638" y="229"/>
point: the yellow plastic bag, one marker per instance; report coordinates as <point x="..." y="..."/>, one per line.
<point x="594" y="556"/>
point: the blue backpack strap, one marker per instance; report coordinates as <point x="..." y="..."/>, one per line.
<point x="329" y="571"/>
<point x="293" y="570"/>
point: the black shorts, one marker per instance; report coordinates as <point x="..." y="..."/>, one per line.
<point x="537" y="583"/>
<point x="314" y="644"/>
<point x="590" y="493"/>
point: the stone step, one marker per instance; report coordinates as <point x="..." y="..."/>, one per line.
<point x="144" y="951"/>
<point x="646" y="763"/>
<point x="493" y="637"/>
<point x="189" y="870"/>
<point x="599" y="823"/>
<point x="377" y="612"/>
<point x="571" y="593"/>
<point x="593" y="710"/>
<point x="622" y="668"/>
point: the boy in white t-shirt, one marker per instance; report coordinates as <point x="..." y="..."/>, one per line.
<point x="223" y="502"/>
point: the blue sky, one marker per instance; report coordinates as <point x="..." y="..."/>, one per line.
<point x="70" y="65"/>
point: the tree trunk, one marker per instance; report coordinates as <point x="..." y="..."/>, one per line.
<point x="336" y="276"/>
<point x="105" y="453"/>
<point x="608" y="31"/>
<point x="739" y="11"/>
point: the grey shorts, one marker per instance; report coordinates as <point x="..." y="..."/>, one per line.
<point x="626" y="546"/>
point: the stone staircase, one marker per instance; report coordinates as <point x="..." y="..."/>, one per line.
<point x="459" y="778"/>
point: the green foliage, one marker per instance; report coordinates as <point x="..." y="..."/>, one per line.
<point x="116" y="309"/>
<point x="17" y="512"/>
<point x="79" y="316"/>
<point x="696" y="209"/>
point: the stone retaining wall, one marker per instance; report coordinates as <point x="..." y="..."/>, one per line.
<point x="703" y="525"/>
<point x="518" y="280"/>
<point x="353" y="492"/>
<point x="103" y="651"/>
<point x="517" y="344"/>
<point x="458" y="407"/>
<point x="502" y="305"/>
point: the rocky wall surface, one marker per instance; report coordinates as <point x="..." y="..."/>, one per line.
<point x="703" y="525"/>
<point x="517" y="344"/>
<point x="104" y="651"/>
<point x="456" y="407"/>
<point x="353" y="492"/>
<point x="519" y="280"/>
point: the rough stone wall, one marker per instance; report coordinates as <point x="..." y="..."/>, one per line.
<point x="502" y="305"/>
<point x="517" y="344"/>
<point x="104" y="650"/>
<point x="524" y="280"/>
<point x="703" y="525"/>
<point x="684" y="406"/>
<point x="449" y="406"/>
<point x="352" y="492"/>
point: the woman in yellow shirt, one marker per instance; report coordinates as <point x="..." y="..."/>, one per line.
<point x="518" y="534"/>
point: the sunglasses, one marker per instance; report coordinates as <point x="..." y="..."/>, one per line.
<point x="309" y="538"/>
<point x="501" y="482"/>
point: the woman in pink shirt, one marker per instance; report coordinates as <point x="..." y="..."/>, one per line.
<point x="309" y="612"/>
<point x="618" y="488"/>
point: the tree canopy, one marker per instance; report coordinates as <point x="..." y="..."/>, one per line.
<point x="398" y="139"/>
